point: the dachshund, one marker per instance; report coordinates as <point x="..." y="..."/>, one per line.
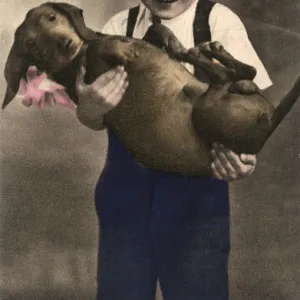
<point x="167" y="118"/>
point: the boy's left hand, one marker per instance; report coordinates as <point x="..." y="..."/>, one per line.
<point x="230" y="166"/>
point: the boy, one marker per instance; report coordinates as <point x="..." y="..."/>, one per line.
<point x="157" y="225"/>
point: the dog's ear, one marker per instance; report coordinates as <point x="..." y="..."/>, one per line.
<point x="75" y="15"/>
<point x="15" y="68"/>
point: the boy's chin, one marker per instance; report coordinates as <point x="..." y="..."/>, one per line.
<point x="167" y="9"/>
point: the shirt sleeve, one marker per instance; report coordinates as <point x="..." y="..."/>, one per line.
<point x="228" y="29"/>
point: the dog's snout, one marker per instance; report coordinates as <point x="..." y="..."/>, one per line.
<point x="68" y="43"/>
<point x="64" y="42"/>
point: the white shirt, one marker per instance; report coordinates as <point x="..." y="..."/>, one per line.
<point x="225" y="26"/>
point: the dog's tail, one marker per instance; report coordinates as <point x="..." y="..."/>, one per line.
<point x="285" y="105"/>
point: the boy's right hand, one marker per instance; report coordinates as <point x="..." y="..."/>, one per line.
<point x="106" y="91"/>
<point x="97" y="99"/>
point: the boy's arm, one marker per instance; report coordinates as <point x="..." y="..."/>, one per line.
<point x="88" y="111"/>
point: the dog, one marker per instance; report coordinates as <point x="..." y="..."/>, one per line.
<point x="167" y="118"/>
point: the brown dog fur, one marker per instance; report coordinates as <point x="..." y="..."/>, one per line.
<point x="167" y="118"/>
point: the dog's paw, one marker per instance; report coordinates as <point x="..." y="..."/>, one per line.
<point x="129" y="54"/>
<point x="210" y="48"/>
<point x="194" y="52"/>
<point x="216" y="46"/>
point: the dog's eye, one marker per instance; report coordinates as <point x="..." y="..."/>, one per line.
<point x="51" y="17"/>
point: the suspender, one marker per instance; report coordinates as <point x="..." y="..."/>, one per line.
<point x="201" y="22"/>
<point x="132" y="17"/>
<point x="202" y="30"/>
<point x="201" y="27"/>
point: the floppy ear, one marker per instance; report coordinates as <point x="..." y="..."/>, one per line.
<point x="15" y="68"/>
<point x="75" y="15"/>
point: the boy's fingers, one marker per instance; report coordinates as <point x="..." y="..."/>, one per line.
<point x="108" y="76"/>
<point x="118" y="92"/>
<point x="115" y="83"/>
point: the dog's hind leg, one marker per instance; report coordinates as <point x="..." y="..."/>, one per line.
<point x="163" y="38"/>
<point x="230" y="69"/>
<point x="217" y="73"/>
<point x="217" y="51"/>
<point x="243" y="74"/>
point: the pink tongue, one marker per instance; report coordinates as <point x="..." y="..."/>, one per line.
<point x="42" y="92"/>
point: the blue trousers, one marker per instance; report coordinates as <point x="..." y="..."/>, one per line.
<point x="155" y="225"/>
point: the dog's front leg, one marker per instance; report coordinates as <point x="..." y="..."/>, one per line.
<point x="107" y="53"/>
<point x="119" y="48"/>
<point x="115" y="49"/>
<point x="163" y="38"/>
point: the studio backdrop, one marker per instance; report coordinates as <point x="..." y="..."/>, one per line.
<point x="50" y="164"/>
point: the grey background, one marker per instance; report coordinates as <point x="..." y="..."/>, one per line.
<point x="50" y="164"/>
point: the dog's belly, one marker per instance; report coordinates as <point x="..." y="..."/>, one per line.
<point x="153" y="121"/>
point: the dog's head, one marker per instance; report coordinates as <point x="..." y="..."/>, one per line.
<point x="49" y="38"/>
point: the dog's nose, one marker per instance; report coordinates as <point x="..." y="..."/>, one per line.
<point x="67" y="43"/>
<point x="64" y="42"/>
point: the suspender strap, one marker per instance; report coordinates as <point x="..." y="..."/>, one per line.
<point x="202" y="30"/>
<point x="200" y="26"/>
<point x="132" y="17"/>
<point x="201" y="22"/>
